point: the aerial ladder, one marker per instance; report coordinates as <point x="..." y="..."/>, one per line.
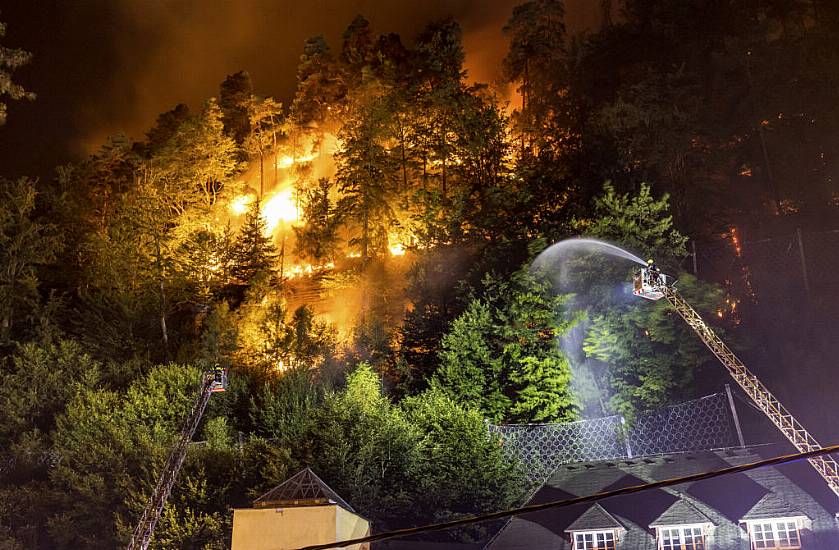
<point x="212" y="381"/>
<point x="651" y="284"/>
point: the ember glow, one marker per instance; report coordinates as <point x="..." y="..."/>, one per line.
<point x="287" y="161"/>
<point x="307" y="269"/>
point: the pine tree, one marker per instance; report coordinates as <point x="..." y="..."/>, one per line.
<point x="10" y="60"/>
<point x="440" y="59"/>
<point x="366" y="174"/>
<point x="235" y="95"/>
<point x="357" y="46"/>
<point x="501" y="354"/>
<point x="320" y="88"/>
<point x="317" y="239"/>
<point x="536" y="62"/>
<point x="253" y="254"/>
<point x="165" y="128"/>
<point x="25" y="244"/>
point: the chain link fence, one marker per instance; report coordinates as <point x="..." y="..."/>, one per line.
<point x="701" y="424"/>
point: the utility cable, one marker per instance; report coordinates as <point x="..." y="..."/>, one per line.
<point x="470" y="520"/>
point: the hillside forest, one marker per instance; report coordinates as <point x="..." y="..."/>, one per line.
<point x="359" y="257"/>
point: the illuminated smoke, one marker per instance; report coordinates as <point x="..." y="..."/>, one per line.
<point x="154" y="44"/>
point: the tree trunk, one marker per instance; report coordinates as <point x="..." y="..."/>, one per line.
<point x="282" y="259"/>
<point x="444" y="190"/>
<point x="162" y="300"/>
<point x="771" y="184"/>
<point x="261" y="174"/>
<point x="163" y="330"/>
<point x="365" y="236"/>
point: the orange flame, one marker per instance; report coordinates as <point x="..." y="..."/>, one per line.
<point x="278" y="208"/>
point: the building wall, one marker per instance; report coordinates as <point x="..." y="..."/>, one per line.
<point x="351" y="526"/>
<point x="288" y="528"/>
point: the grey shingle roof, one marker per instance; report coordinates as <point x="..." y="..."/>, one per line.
<point x="302" y="489"/>
<point x="594" y="518"/>
<point x="721" y="501"/>
<point x="681" y="512"/>
<point x="772" y="506"/>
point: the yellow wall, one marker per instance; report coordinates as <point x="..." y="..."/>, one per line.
<point x="351" y="526"/>
<point x="287" y="528"/>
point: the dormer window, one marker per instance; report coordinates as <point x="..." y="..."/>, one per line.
<point x="594" y="540"/>
<point x="777" y="534"/>
<point x="595" y="529"/>
<point x="681" y="537"/>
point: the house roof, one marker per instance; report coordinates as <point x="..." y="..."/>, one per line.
<point x="722" y="501"/>
<point x="771" y="506"/>
<point x="304" y="488"/>
<point x="595" y="518"/>
<point x="681" y="512"/>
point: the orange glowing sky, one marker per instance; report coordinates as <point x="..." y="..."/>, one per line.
<point x="102" y="67"/>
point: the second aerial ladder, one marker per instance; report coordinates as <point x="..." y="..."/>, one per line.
<point x="653" y="285"/>
<point x="212" y="381"/>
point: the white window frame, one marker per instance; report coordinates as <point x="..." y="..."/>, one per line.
<point x="774" y="523"/>
<point x="703" y="527"/>
<point x="594" y="533"/>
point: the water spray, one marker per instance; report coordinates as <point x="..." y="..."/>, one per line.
<point x="561" y="263"/>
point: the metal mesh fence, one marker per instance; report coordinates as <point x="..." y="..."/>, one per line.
<point x="700" y="424"/>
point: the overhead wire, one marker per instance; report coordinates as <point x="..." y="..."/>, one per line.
<point x="470" y="520"/>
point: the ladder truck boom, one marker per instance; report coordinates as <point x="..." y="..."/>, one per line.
<point x="651" y="284"/>
<point x="212" y="381"/>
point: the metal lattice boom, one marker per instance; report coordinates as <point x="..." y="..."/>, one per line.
<point x="754" y="388"/>
<point x="148" y="521"/>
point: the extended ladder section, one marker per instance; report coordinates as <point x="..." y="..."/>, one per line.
<point x="754" y="388"/>
<point x="145" y="527"/>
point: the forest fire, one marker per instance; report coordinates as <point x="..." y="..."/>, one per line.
<point x="287" y="161"/>
<point x="349" y="231"/>
<point x="302" y="270"/>
<point x="397" y="249"/>
<point x="277" y="209"/>
<point x="240" y="204"/>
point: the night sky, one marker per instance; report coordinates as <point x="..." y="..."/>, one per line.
<point x="107" y="66"/>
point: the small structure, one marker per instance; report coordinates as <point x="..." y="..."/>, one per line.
<point x="301" y="511"/>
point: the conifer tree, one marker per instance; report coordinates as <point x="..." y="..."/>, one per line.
<point x="366" y="178"/>
<point x="25" y="243"/>
<point x="536" y="62"/>
<point x="235" y="94"/>
<point x="320" y="89"/>
<point x="253" y="254"/>
<point x="642" y="353"/>
<point x="10" y="60"/>
<point x="501" y="354"/>
<point x="317" y="239"/>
